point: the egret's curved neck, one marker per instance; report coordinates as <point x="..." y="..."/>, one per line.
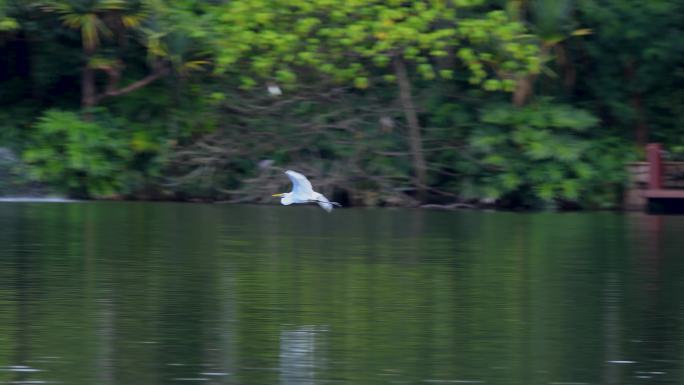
<point x="286" y="198"/>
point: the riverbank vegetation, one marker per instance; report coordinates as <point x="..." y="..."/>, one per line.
<point x="511" y="103"/>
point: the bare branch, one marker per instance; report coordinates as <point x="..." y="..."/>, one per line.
<point x="159" y="71"/>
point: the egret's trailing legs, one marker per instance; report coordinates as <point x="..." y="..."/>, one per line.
<point x="331" y="202"/>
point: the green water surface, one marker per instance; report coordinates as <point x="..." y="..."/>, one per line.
<point x="158" y="293"/>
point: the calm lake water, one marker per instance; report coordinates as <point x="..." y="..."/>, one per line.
<point x="155" y="293"/>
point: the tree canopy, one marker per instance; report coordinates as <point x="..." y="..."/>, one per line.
<point x="517" y="103"/>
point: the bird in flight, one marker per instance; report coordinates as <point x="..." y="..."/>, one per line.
<point x="302" y="192"/>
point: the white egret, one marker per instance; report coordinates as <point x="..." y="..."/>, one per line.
<point x="302" y="192"/>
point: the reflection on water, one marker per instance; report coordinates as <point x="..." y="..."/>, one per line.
<point x="298" y="355"/>
<point x="139" y="293"/>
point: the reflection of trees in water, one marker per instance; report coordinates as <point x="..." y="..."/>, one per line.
<point x="221" y="354"/>
<point x="637" y="304"/>
<point x="105" y="347"/>
<point x="299" y="358"/>
<point x="655" y="306"/>
<point x="23" y="267"/>
<point x="239" y="300"/>
<point x="611" y="329"/>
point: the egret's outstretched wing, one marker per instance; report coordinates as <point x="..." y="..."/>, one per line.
<point x="324" y="203"/>
<point x="300" y="185"/>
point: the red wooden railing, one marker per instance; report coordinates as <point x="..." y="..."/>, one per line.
<point x="656" y="171"/>
<point x="655" y="165"/>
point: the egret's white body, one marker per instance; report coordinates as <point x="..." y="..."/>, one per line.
<point x="302" y="192"/>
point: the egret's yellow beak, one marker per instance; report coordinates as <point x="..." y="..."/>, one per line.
<point x="278" y="195"/>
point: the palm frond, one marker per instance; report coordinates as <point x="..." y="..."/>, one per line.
<point x="109" y="5"/>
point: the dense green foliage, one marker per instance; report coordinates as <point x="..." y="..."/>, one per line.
<point x="516" y="103"/>
<point x="79" y="157"/>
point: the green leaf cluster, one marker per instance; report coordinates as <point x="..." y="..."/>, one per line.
<point x="543" y="154"/>
<point x="351" y="41"/>
<point x="79" y="157"/>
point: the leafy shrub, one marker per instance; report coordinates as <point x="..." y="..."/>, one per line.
<point x="79" y="157"/>
<point x="542" y="155"/>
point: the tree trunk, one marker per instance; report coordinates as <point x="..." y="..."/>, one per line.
<point x="641" y="131"/>
<point x="524" y="87"/>
<point x="640" y="126"/>
<point x="567" y="65"/>
<point x="523" y="90"/>
<point x="88" y="92"/>
<point x="415" y="139"/>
